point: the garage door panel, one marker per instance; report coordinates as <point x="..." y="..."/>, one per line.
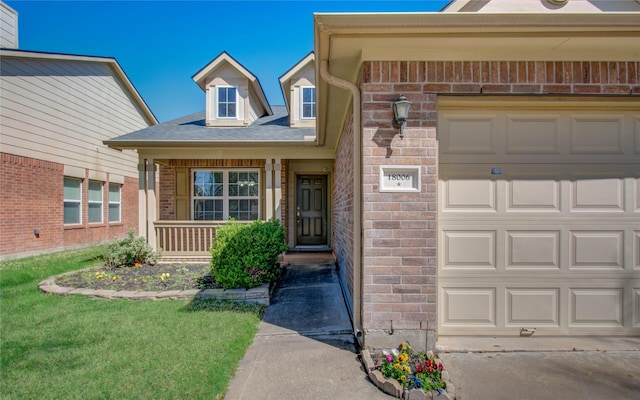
<point x="469" y="249"/>
<point x="597" y="250"/>
<point x="597" y="135"/>
<point x="601" y="195"/>
<point x="596" y="307"/>
<point x="636" y="307"/>
<point x="533" y="195"/>
<point x="533" y="250"/>
<point x="636" y="250"/>
<point x="528" y="307"/>
<point x="636" y="135"/>
<point x="636" y="183"/>
<point x="471" y="195"/>
<point x="469" y="306"/>
<point x="470" y="135"/>
<point x="530" y="134"/>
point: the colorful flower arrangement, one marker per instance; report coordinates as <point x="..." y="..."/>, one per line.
<point x="413" y="371"/>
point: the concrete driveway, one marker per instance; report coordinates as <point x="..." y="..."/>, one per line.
<point x="543" y="368"/>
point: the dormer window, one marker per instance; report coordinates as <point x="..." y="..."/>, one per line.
<point x="234" y="95"/>
<point x="308" y="100"/>
<point x="227" y="102"/>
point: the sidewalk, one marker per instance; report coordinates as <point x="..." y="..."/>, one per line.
<point x="304" y="348"/>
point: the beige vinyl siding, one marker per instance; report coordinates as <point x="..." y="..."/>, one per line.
<point x="8" y="27"/>
<point x="61" y="111"/>
<point x="255" y="109"/>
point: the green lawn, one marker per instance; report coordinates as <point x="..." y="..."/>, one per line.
<point x="75" y="347"/>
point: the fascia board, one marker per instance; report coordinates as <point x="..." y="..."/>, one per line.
<point x="178" y="144"/>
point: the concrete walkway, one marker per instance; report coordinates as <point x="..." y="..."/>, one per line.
<point x="304" y="348"/>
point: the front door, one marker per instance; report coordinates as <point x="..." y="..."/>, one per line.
<point x="311" y="210"/>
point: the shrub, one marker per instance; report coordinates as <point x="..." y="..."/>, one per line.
<point x="129" y="251"/>
<point x="246" y="255"/>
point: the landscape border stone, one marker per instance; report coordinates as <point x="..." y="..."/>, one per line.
<point x="261" y="294"/>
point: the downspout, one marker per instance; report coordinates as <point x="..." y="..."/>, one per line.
<point x="357" y="194"/>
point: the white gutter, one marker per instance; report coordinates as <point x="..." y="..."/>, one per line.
<point x="357" y="194"/>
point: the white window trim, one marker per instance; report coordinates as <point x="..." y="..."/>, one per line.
<point x="217" y="101"/>
<point x="225" y="195"/>
<point x="302" y="103"/>
<point x="65" y="200"/>
<point x="119" y="203"/>
<point x="101" y="202"/>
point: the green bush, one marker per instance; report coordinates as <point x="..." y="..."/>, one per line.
<point x="129" y="251"/>
<point x="246" y="255"/>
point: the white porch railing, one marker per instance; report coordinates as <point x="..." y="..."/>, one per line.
<point x="185" y="241"/>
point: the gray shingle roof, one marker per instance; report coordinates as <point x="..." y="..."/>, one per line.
<point x="192" y="128"/>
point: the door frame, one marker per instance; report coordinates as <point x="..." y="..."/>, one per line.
<point x="294" y="168"/>
<point x="326" y="211"/>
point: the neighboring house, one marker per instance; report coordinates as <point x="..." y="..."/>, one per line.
<point x="8" y="27"/>
<point x="60" y="186"/>
<point x="510" y="201"/>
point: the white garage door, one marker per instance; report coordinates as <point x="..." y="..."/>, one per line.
<point x="539" y="217"/>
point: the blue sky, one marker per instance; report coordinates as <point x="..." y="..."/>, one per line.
<point x="162" y="44"/>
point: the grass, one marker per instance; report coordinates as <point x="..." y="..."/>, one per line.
<point x="75" y="347"/>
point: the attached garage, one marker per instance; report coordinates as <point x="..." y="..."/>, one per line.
<point x="538" y="216"/>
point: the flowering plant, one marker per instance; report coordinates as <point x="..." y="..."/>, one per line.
<point x="413" y="371"/>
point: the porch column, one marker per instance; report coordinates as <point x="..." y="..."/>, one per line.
<point x="269" y="189"/>
<point x="277" y="168"/>
<point x="151" y="203"/>
<point x="142" y="198"/>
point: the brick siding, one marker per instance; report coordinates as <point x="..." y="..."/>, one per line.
<point x="32" y="197"/>
<point x="399" y="248"/>
<point x="343" y="207"/>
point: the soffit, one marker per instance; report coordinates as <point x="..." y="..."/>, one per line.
<point x="346" y="40"/>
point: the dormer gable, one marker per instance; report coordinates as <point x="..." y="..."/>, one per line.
<point x="299" y="90"/>
<point x="234" y="95"/>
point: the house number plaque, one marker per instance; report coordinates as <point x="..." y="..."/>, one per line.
<point x="399" y="178"/>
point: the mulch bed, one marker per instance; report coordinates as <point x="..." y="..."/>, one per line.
<point x="159" y="277"/>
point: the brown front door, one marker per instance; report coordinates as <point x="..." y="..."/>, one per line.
<point x="311" y="210"/>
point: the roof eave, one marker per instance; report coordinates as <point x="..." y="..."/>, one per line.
<point x="345" y="40"/>
<point x="198" y="144"/>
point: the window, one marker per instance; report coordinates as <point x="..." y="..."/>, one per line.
<point x="308" y="102"/>
<point x="226" y="102"/>
<point x="95" y="202"/>
<point x="223" y="194"/>
<point x="72" y="201"/>
<point x="114" y="202"/>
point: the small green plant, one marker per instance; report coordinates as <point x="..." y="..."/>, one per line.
<point x="246" y="255"/>
<point x="129" y="251"/>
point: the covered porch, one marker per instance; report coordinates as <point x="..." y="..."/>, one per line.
<point x="183" y="201"/>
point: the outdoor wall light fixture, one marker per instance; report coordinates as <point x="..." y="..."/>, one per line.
<point x="401" y="113"/>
